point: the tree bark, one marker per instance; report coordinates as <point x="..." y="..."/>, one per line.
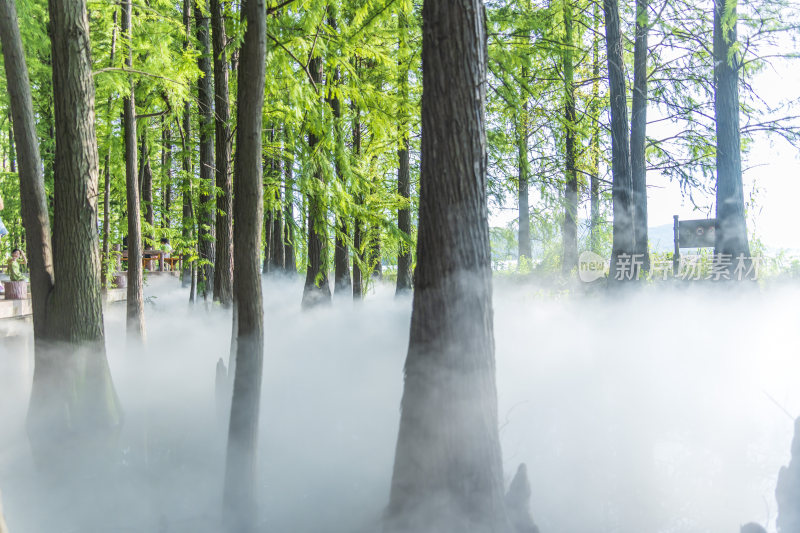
<point x="146" y="184"/>
<point x="166" y="165"/>
<point x="358" y="253"/>
<point x="523" y="166"/>
<point x="569" y="260"/>
<point x="594" y="142"/>
<point x="289" y="261"/>
<point x="731" y="231"/>
<point x="403" y="172"/>
<point x="316" y="290"/>
<point x="223" y="267"/>
<point x="447" y="472"/>
<point x="135" y="297"/>
<point x="187" y="223"/>
<point x="107" y="170"/>
<point x="73" y="406"/>
<point x="240" y="503"/>
<point x="638" y="134"/>
<point x="205" y="96"/>
<point x="621" y="186"/>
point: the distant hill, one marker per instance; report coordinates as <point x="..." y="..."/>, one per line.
<point x="661" y="238"/>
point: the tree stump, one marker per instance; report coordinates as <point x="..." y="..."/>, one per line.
<point x="16" y="290"/>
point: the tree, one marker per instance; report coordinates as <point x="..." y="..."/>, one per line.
<point x="638" y="131"/>
<point x="223" y="267"/>
<point x="403" y="170"/>
<point x="621" y="187"/>
<point x="447" y="471"/>
<point x="316" y="290"/>
<point x="205" y="104"/>
<point x="73" y="394"/>
<point x="570" y="228"/>
<point x="239" y="504"/>
<point x="135" y="301"/>
<point x="731" y="231"/>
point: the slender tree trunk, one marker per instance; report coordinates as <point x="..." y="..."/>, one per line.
<point x="205" y="104"/>
<point x="166" y="165"/>
<point x="594" y="142"/>
<point x="358" y="252"/>
<point x="223" y="267"/>
<point x="316" y="290"/>
<point x="35" y="217"/>
<point x="273" y="243"/>
<point x="523" y="166"/>
<point x="240" y="502"/>
<point x="403" y="172"/>
<point x="107" y="170"/>
<point x="638" y="134"/>
<point x="731" y="233"/>
<point x="448" y="474"/>
<point x="73" y="401"/>
<point x="187" y="223"/>
<point x="621" y="187"/>
<point x="146" y="182"/>
<point x="289" y="264"/>
<point x="569" y="260"/>
<point x="135" y="301"/>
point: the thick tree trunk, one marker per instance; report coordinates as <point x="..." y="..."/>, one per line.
<point x="621" y="186"/>
<point x="240" y="503"/>
<point x="223" y="267"/>
<point x="73" y="394"/>
<point x="205" y="97"/>
<point x="731" y="234"/>
<point x="569" y="258"/>
<point x="289" y="261"/>
<point x="135" y="297"/>
<point x="638" y="135"/>
<point x="447" y="473"/>
<point x="403" y="171"/>
<point x="316" y="290"/>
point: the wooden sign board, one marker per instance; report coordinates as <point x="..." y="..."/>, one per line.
<point x="696" y="233"/>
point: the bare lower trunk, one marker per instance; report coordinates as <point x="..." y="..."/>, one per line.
<point x="289" y="261"/>
<point x="447" y="473"/>
<point x="240" y="503"/>
<point x="523" y="167"/>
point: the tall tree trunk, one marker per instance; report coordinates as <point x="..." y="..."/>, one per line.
<point x="403" y="172"/>
<point x="107" y="169"/>
<point x="273" y="243"/>
<point x="316" y="290"/>
<point x="638" y="135"/>
<point x="240" y="504"/>
<point x="594" y="142"/>
<point x="523" y="166"/>
<point x="569" y="260"/>
<point x="358" y="253"/>
<point x="205" y="97"/>
<point x="289" y="261"/>
<point x="73" y="401"/>
<point x="448" y="474"/>
<point x="187" y="222"/>
<point x="35" y="217"/>
<point x="621" y="186"/>
<point x="223" y="267"/>
<point x="135" y="301"/>
<point x="146" y="183"/>
<point x="731" y="234"/>
<point x="166" y="165"/>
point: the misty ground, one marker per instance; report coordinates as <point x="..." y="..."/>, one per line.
<point x="663" y="411"/>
